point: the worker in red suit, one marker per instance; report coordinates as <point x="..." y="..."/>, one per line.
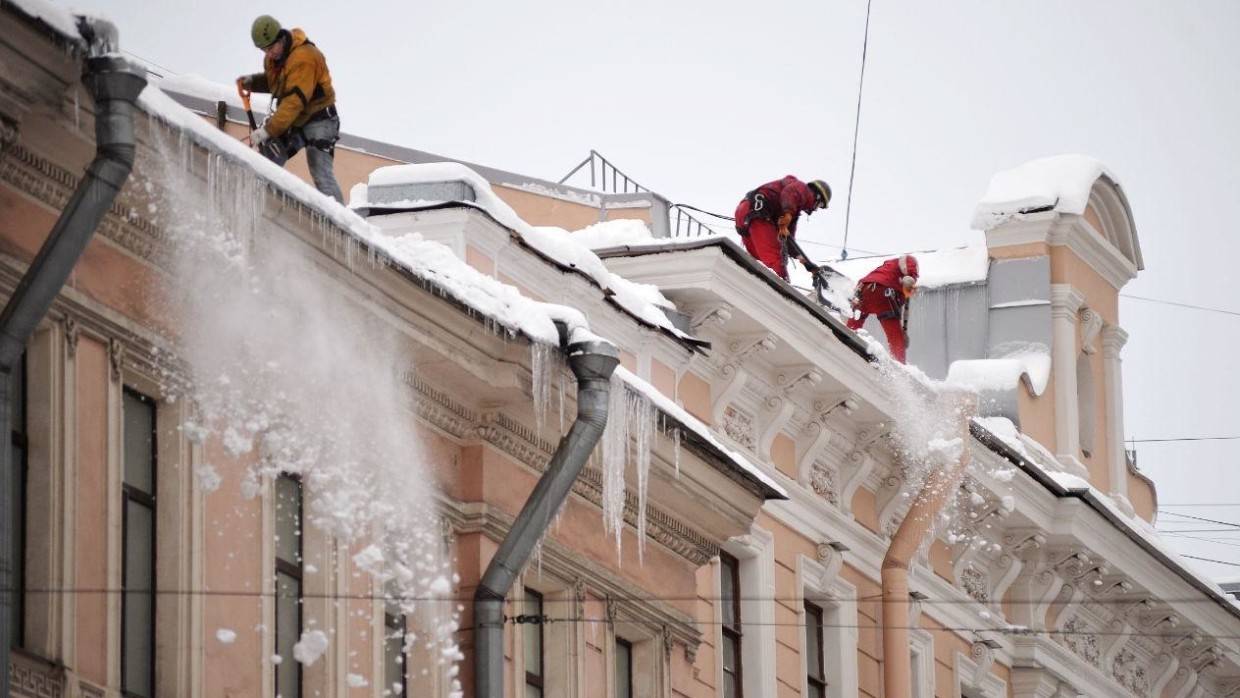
<point x="886" y="292"/>
<point x="767" y="216"/>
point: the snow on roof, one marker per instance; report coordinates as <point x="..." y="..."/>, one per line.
<point x="669" y="407"/>
<point x="958" y="265"/>
<point x="642" y="301"/>
<point x="1003" y="372"/>
<point x="626" y="232"/>
<point x="211" y="91"/>
<point x="430" y="261"/>
<point x="1060" y="183"/>
<point x="58" y="17"/>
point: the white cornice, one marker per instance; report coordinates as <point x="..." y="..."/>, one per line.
<point x="1071" y="231"/>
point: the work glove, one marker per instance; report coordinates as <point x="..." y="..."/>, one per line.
<point x="784" y="221"/>
<point x="259" y="137"/>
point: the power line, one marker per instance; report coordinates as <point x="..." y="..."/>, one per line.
<point x="1215" y="541"/>
<point x="451" y="598"/>
<point x="852" y="170"/>
<point x="1001" y="629"/>
<point x="1209" y="559"/>
<point x="1180" y="305"/>
<point x="1183" y="438"/>
<point x="1202" y="518"/>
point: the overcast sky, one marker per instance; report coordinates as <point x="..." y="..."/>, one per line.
<point x="702" y="101"/>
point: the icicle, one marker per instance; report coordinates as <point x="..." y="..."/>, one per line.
<point x="563" y="380"/>
<point x="676" y="451"/>
<point x="542" y="363"/>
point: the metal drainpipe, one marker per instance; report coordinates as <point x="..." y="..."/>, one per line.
<point x="592" y="363"/>
<point x="115" y="85"/>
<point x="938" y="489"/>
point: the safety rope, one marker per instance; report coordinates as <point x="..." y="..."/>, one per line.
<point x="852" y="172"/>
<point x="699" y="210"/>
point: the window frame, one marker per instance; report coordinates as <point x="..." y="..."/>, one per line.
<point x="393" y="623"/>
<point x="19" y="438"/>
<point x="628" y="647"/>
<point x="536" y="680"/>
<point x="816" y="666"/>
<point x="132" y="495"/>
<point x="731" y="566"/>
<point x="296" y="571"/>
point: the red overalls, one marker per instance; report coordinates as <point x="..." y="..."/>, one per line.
<point x="881" y="293"/>
<point x="756" y="217"/>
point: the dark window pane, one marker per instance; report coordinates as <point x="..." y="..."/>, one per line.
<point x="533" y="634"/>
<point x="394" y="656"/>
<point x="288" y="519"/>
<point x="17" y="519"/>
<point x="624" y="669"/>
<point x="533" y="692"/>
<point x="729" y="654"/>
<point x="728" y="583"/>
<point x="138" y="603"/>
<point x="288" y="632"/>
<point x="139" y="416"/>
<point x="813" y="641"/>
<point x="817" y="691"/>
<point x="17" y="397"/>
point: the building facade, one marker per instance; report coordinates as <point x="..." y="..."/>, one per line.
<point x="746" y="557"/>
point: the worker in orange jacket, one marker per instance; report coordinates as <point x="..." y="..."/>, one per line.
<point x="295" y="73"/>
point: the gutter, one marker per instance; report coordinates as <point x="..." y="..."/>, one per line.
<point x="997" y="445"/>
<point x="592" y="363"/>
<point x="115" y="85"/>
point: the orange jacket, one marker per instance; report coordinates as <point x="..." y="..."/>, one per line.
<point x="299" y="81"/>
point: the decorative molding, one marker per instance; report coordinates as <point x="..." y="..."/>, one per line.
<point x="8" y="135"/>
<point x="116" y="358"/>
<point x="1091" y="325"/>
<point x="738" y="425"/>
<point x="1130" y="671"/>
<point x="1066" y="302"/>
<point x="54" y="185"/>
<point x="717" y="314"/>
<point x="1114" y="338"/>
<point x="822" y="481"/>
<point x="35" y="678"/>
<point x="71" y="330"/>
<point x="1078" y="637"/>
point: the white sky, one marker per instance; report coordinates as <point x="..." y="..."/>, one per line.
<point x="702" y="101"/>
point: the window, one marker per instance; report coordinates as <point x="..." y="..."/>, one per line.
<point x="288" y="583"/>
<point x="815" y="671"/>
<point x="395" y="682"/>
<point x="533" y="642"/>
<point x="730" y="604"/>
<point x="624" y="669"/>
<point x="138" y="551"/>
<point x="17" y="481"/>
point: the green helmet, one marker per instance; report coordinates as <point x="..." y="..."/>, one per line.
<point x="265" y="31"/>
